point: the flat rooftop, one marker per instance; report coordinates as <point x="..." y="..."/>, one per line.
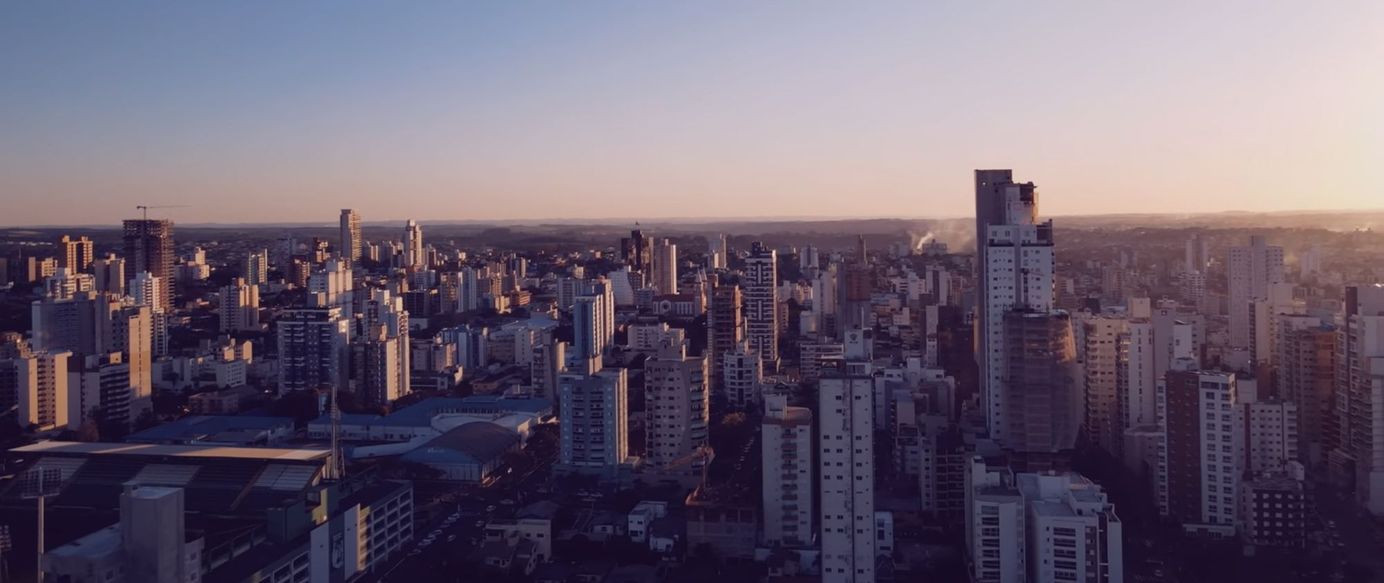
<point x="189" y="451"/>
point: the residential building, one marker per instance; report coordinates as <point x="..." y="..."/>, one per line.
<point x="350" y="240"/>
<point x="677" y="404"/>
<point x="314" y="349"/>
<point x="43" y="390"/>
<point x="1015" y="264"/>
<point x="846" y="468"/>
<point x="594" y="421"/>
<point x="239" y="309"/>
<point x="1250" y="271"/>
<point x="743" y="372"/>
<point x="788" y="471"/>
<point x="725" y="329"/>
<point x="761" y="304"/>
<point x="149" y="248"/>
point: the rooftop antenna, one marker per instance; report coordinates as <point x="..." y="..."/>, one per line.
<point x="336" y="469"/>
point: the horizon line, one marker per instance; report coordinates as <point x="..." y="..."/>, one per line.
<point x="613" y="221"/>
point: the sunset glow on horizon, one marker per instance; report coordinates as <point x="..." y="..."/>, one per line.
<point x="270" y="112"/>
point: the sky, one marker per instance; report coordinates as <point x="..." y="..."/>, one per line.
<point x="262" y="111"/>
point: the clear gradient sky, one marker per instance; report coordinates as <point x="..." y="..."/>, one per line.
<point x="288" y="111"/>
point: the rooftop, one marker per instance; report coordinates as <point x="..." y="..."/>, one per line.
<point x="188" y="451"/>
<point x="477" y="442"/>
<point x="100" y="543"/>
<point x="213" y="428"/>
<point x="421" y="414"/>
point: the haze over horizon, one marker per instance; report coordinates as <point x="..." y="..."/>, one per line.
<point x="263" y="113"/>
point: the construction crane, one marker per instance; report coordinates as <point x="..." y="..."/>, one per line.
<point x="145" y="208"/>
<point x="703" y="453"/>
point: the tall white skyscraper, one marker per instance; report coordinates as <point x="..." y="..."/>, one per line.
<point x="1251" y="270"/>
<point x="665" y="276"/>
<point x="414" y="255"/>
<point x="787" y="462"/>
<point x="761" y="303"/>
<point x="678" y="403"/>
<point x="847" y="471"/>
<point x="350" y="240"/>
<point x="1016" y="266"/>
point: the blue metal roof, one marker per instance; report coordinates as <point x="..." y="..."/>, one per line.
<point x="196" y="427"/>
<point x="422" y="413"/>
<point x="476" y="443"/>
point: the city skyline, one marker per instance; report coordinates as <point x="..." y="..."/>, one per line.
<point x="248" y="114"/>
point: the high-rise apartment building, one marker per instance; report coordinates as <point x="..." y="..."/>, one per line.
<point x="43" y="390"/>
<point x="594" y="421"/>
<point x="149" y="248"/>
<point x="99" y="389"/>
<point x="665" y="276"/>
<point x="725" y="329"/>
<point x="375" y="357"/>
<point x="677" y="404"/>
<point x="742" y="375"/>
<point x="1015" y="266"/>
<point x="1041" y="387"/>
<point x="1268" y="434"/>
<point x="110" y="274"/>
<point x="717" y="252"/>
<point x="314" y="349"/>
<point x="239" y="307"/>
<point x="846" y="468"/>
<point x="349" y="239"/>
<point x="1250" y="271"/>
<point x="1198" y="469"/>
<point x="256" y="268"/>
<point x="637" y="251"/>
<point x="12" y="348"/>
<point x="761" y="303"/>
<point x="133" y="331"/>
<point x="788" y="470"/>
<point x="593" y="321"/>
<point x="1103" y="375"/>
<point x="1073" y="533"/>
<point x="1306" y="376"/>
<point x="1360" y="394"/>
<point x="414" y="255"/>
<point x="148" y="290"/>
<point x="76" y="254"/>
<point x="384" y="375"/>
<point x="995" y="524"/>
